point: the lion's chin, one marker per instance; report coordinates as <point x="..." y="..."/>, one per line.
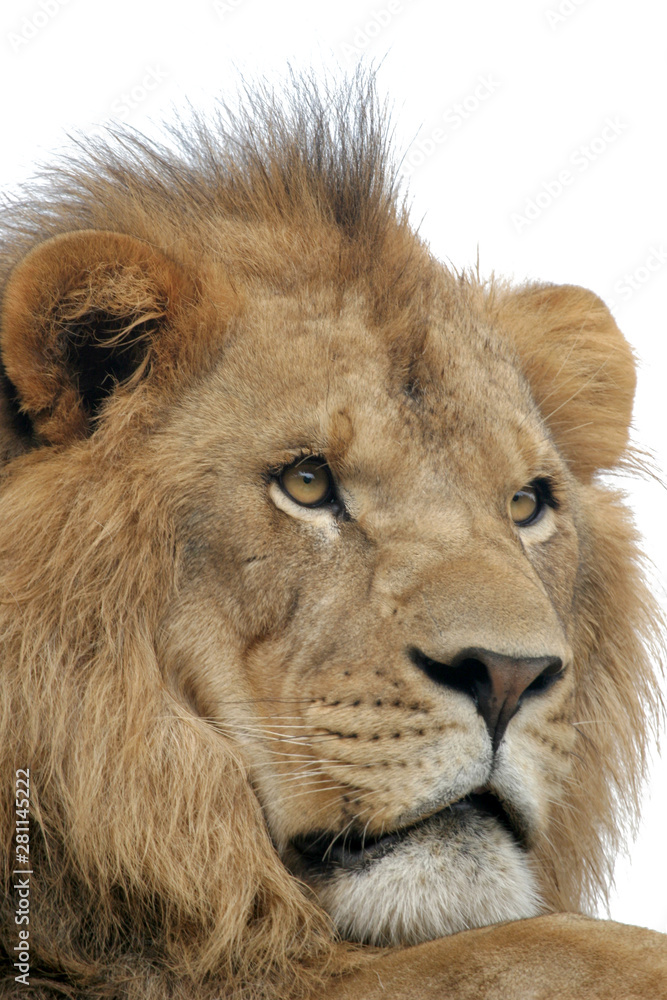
<point x="459" y="869"/>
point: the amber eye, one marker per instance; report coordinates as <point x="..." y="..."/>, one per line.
<point x="526" y="506"/>
<point x="309" y="482"/>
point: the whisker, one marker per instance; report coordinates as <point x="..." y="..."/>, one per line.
<point x="338" y="835"/>
<point x="580" y="388"/>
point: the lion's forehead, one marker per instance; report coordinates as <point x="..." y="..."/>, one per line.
<point x="444" y="392"/>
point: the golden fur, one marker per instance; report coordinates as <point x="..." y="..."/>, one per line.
<point x="177" y="638"/>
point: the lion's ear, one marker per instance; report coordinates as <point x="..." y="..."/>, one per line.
<point x="580" y="368"/>
<point x="82" y="313"/>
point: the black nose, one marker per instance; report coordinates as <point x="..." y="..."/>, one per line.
<point x="495" y="682"/>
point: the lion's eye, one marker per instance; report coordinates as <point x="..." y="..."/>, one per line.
<point x="526" y="506"/>
<point x="308" y="482"/>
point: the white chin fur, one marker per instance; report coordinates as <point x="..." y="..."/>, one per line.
<point x="436" y="882"/>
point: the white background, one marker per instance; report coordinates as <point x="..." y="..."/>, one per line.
<point x="496" y="98"/>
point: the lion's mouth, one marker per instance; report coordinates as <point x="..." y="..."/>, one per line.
<point x="320" y="851"/>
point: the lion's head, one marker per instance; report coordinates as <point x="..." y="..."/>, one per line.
<point x="312" y="601"/>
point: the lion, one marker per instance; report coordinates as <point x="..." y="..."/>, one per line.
<point x="327" y="658"/>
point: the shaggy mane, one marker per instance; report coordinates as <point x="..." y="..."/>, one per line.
<point x="312" y="161"/>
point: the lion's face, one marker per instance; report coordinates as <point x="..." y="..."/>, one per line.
<point x="385" y="569"/>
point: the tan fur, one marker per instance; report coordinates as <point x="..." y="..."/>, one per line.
<point x="197" y="671"/>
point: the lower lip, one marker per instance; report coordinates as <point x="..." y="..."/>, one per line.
<point x="354" y="852"/>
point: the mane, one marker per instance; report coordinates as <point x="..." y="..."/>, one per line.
<point x="148" y="844"/>
<point x="309" y="167"/>
<point x="618" y="632"/>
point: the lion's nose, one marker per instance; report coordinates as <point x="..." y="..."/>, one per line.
<point x="495" y="682"/>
